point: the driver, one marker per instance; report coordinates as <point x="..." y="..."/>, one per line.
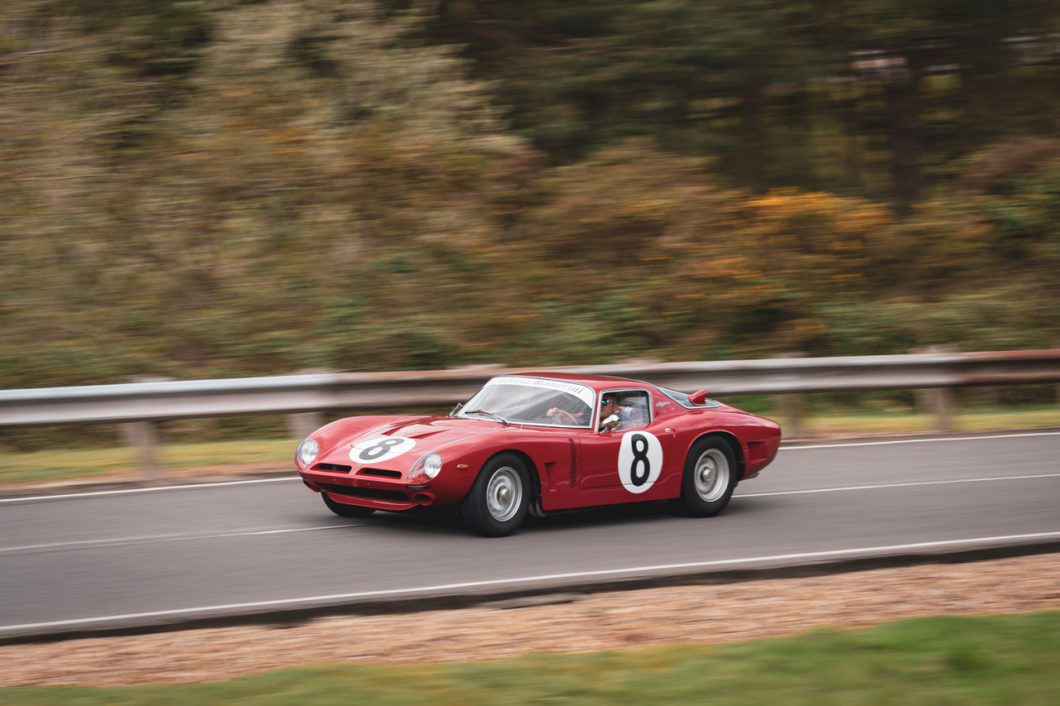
<point x="615" y="416"/>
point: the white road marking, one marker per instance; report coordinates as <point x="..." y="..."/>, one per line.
<point x="153" y="489"/>
<point x="929" y="440"/>
<point x="119" y="541"/>
<point x="398" y="592"/>
<point x="897" y="485"/>
<point x="196" y="486"/>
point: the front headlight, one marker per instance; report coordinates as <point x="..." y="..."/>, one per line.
<point x="432" y="465"/>
<point x="307" y="451"/>
<point x="429" y="465"/>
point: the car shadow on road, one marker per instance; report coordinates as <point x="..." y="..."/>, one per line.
<point x="447" y="521"/>
<point x="631" y="513"/>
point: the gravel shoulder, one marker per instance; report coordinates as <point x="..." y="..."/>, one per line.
<point x="707" y="613"/>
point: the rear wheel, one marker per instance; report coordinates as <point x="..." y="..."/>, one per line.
<point x="346" y="510"/>
<point x="499" y="499"/>
<point x="710" y="477"/>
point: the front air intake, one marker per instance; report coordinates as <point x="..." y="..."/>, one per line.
<point x="333" y="467"/>
<point x="391" y="495"/>
<point x="379" y="472"/>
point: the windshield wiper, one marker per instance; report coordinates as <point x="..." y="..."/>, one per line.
<point x="491" y="415"/>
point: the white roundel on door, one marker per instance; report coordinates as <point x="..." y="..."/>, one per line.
<point x="640" y="460"/>
<point x="380" y="448"/>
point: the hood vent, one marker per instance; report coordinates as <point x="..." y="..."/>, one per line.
<point x="423" y="434"/>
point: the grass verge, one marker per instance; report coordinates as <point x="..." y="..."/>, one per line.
<point x="237" y="457"/>
<point x="218" y="457"/>
<point x="907" y="423"/>
<point x="991" y="660"/>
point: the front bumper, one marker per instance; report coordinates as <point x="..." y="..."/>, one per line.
<point x="367" y="490"/>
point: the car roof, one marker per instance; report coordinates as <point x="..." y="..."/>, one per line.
<point x="597" y="382"/>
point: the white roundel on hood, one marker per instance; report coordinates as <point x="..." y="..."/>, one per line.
<point x="380" y="448"/>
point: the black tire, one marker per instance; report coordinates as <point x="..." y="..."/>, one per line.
<point x="346" y="510"/>
<point x="711" y="474"/>
<point x="500" y="498"/>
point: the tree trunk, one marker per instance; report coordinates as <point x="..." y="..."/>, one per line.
<point x="904" y="109"/>
<point x="752" y="132"/>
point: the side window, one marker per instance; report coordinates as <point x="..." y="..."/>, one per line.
<point x="634" y="409"/>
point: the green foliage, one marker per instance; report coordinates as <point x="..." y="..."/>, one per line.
<point x="1011" y="318"/>
<point x="221" y="188"/>
<point x="857" y="97"/>
<point x="985" y="660"/>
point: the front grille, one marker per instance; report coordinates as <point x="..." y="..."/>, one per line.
<point x="376" y="493"/>
<point x="379" y="472"/>
<point x="333" y="467"/>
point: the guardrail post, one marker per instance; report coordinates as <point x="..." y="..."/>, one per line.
<point x="302" y="424"/>
<point x="937" y="401"/>
<point x="791" y="412"/>
<point x="143" y="437"/>
<point x="791" y="408"/>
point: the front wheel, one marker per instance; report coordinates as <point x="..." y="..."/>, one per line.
<point x="500" y="498"/>
<point x="710" y="477"/>
<point x="346" y="510"/>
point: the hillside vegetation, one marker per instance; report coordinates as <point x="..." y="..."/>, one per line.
<point x="207" y="188"/>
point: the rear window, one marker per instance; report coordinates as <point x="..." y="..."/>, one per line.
<point x="682" y="399"/>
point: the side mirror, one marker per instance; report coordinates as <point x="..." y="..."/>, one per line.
<point x="698" y="398"/>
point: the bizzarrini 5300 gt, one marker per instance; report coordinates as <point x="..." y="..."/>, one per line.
<point x="534" y="443"/>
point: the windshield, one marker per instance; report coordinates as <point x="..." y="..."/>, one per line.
<point x="532" y="401"/>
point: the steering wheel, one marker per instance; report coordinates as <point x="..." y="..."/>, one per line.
<point x="561" y="415"/>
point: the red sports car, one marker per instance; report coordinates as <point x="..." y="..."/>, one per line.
<point x="531" y="443"/>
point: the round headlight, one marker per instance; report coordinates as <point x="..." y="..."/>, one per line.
<point x="307" y="451"/>
<point x="428" y="466"/>
<point x="432" y="465"/>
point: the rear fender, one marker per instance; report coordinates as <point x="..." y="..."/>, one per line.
<point x="737" y="447"/>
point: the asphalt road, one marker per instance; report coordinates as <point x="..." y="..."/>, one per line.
<point x="89" y="561"/>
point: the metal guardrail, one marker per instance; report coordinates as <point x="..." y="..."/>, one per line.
<point x="156" y="401"/>
<point x="138" y="405"/>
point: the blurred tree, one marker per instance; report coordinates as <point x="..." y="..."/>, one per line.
<point x="693" y="75"/>
<point x="865" y="96"/>
<point x="314" y="158"/>
<point x="216" y="187"/>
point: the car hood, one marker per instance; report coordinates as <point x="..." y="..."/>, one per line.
<point x="397" y="444"/>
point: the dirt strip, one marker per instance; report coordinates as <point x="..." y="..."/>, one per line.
<point x="606" y="621"/>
